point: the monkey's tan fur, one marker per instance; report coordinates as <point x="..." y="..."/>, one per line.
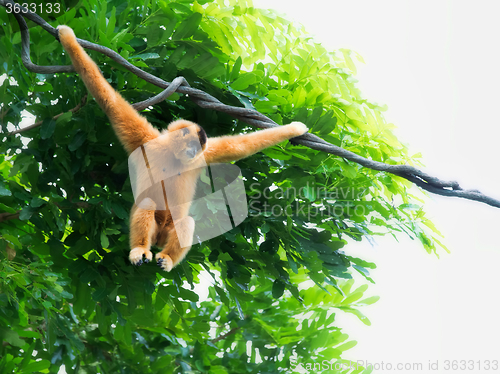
<point x="148" y="225"/>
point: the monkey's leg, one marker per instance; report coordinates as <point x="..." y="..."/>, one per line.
<point x="173" y="253"/>
<point x="142" y="229"/>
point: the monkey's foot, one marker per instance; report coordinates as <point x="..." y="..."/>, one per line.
<point x="139" y="255"/>
<point x="147" y="204"/>
<point x="164" y="261"/>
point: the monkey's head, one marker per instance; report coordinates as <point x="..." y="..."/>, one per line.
<point x="188" y="140"/>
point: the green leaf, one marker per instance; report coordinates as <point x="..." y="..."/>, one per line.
<point x="26" y="213"/>
<point x="119" y="210"/>
<point x="161" y="363"/>
<point x="47" y="128"/>
<point x="346" y="346"/>
<point x="188" y="27"/>
<point x="101" y="320"/>
<point x="43" y="88"/>
<point x="270" y="246"/>
<point x="369" y="300"/>
<point x="236" y="69"/>
<point x="11" y="337"/>
<point x="277" y="153"/>
<point x="36" y="366"/>
<point x="243" y="81"/>
<point x="266" y="106"/>
<point x="145" y="56"/>
<point x="326" y="124"/>
<point x="120" y="37"/>
<point x="169" y="28"/>
<point x="292" y="263"/>
<point x="153" y="36"/>
<point x="188" y="295"/>
<point x="37" y="202"/>
<point x="110" y="28"/>
<point x="64" y="118"/>
<point x="77" y="141"/>
<point x="348" y="170"/>
<point x="100" y="294"/>
<point x="218" y="369"/>
<point x="104" y="240"/>
<point x="358" y="314"/>
<point x="41" y="249"/>
<point x="278" y="289"/>
<point x="265" y="228"/>
<point x="7" y="209"/>
<point x="222" y="295"/>
<point x="4" y="191"/>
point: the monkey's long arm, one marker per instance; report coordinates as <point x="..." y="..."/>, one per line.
<point x="132" y="129"/>
<point x="232" y="148"/>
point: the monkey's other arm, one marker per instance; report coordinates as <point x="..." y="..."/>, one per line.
<point x="132" y="129"/>
<point x="236" y="147"/>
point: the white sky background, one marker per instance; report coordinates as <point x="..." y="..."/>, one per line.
<point x="436" y="65"/>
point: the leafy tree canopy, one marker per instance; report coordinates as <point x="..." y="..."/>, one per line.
<point x="69" y="295"/>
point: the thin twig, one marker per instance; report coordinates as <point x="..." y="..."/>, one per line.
<point x="233" y="331"/>
<point x="39" y="123"/>
<point x="252" y="117"/>
<point x="8" y="216"/>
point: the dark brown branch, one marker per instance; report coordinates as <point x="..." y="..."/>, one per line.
<point x="9" y="216"/>
<point x="252" y="117"/>
<point x="3" y="113"/>
<point x="233" y="331"/>
<point x="39" y="123"/>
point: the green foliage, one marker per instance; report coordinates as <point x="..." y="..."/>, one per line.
<point x="69" y="295"/>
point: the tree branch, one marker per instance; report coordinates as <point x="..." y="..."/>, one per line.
<point x="8" y="216"/>
<point x="39" y="123"/>
<point x="252" y="117"/>
<point x="233" y="331"/>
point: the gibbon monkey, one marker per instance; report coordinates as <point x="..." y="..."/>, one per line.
<point x="183" y="145"/>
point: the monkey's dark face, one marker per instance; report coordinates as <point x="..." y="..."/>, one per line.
<point x="189" y="143"/>
<point x="193" y="148"/>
